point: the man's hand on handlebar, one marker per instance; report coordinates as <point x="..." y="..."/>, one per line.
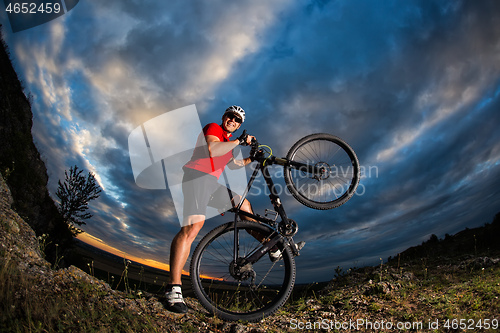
<point x="245" y="139"/>
<point x="250" y="139"/>
<point x="253" y="151"/>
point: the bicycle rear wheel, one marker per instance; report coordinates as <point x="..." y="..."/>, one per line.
<point x="339" y="178"/>
<point x="250" y="294"/>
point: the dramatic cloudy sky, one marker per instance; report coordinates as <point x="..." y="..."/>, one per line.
<point x="413" y="86"/>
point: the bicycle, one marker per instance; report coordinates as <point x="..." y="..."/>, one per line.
<point x="231" y="276"/>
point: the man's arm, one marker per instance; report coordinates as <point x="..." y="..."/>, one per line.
<point x="218" y="148"/>
<point x="236" y="164"/>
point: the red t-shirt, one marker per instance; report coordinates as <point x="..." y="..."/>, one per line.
<point x="201" y="159"/>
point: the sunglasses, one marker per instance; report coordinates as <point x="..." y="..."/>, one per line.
<point x="234" y="117"/>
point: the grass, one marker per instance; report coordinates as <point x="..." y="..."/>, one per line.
<point x="397" y="292"/>
<point x="25" y="306"/>
<point x="414" y="293"/>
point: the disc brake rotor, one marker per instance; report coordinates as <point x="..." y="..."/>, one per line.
<point x="324" y="171"/>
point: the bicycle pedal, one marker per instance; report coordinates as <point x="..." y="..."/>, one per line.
<point x="269" y="211"/>
<point x="299" y="247"/>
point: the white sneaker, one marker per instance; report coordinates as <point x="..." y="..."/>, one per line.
<point x="175" y="301"/>
<point x="275" y="255"/>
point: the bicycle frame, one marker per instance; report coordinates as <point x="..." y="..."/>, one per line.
<point x="262" y="166"/>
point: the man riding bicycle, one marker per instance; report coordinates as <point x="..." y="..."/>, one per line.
<point x="200" y="187"/>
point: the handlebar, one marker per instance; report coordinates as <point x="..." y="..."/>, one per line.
<point x="258" y="155"/>
<point x="254" y="149"/>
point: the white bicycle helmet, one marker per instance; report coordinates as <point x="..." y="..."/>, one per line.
<point x="236" y="110"/>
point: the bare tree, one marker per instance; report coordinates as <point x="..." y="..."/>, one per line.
<point x="75" y="194"/>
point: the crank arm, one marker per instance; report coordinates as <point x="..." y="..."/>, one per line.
<point x="259" y="253"/>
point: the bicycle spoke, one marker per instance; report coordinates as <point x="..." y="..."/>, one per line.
<point x="339" y="174"/>
<point x="255" y="292"/>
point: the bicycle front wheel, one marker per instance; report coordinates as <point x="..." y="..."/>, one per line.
<point x="251" y="293"/>
<point x="339" y="166"/>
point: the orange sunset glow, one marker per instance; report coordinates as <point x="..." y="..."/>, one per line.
<point x="98" y="243"/>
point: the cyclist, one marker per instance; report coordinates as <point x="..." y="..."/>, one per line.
<point x="213" y="152"/>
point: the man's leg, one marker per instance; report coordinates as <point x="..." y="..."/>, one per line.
<point x="246" y="207"/>
<point x="275" y="253"/>
<point x="179" y="252"/>
<point x="181" y="246"/>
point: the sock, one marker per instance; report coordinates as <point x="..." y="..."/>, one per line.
<point x="170" y="286"/>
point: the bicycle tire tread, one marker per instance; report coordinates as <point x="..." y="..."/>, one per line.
<point x="330" y="204"/>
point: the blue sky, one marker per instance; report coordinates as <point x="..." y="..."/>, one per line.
<point x="412" y="86"/>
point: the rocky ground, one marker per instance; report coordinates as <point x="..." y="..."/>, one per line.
<point x="415" y="297"/>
